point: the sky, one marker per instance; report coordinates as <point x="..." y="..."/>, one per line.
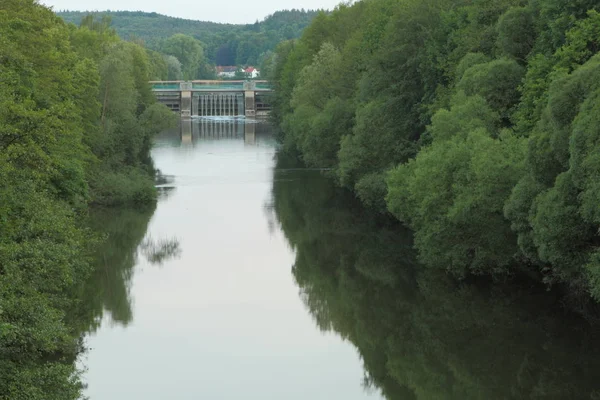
<point x="231" y="11"/>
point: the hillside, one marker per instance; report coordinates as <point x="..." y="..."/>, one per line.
<point x="225" y="44"/>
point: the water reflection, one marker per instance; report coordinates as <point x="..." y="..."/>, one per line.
<point x="121" y="236"/>
<point x="120" y="232"/>
<point x="158" y="251"/>
<point x="420" y="334"/>
<point x="221" y="319"/>
<point x="194" y="130"/>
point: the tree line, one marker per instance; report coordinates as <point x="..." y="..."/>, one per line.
<point x="223" y="44"/>
<point x="475" y="123"/>
<point x="77" y="117"/>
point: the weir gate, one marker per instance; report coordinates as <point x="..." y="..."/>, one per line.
<point x="215" y="98"/>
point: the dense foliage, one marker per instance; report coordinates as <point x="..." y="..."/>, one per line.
<point x="76" y="120"/>
<point x="420" y="334"/>
<point x="476" y="123"/>
<point x="224" y="44"/>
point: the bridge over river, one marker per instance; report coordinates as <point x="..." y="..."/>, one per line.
<point x="215" y="98"/>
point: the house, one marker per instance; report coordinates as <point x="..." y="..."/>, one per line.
<point x="232" y="72"/>
<point x="252" y="72"/>
<point x="226" y="71"/>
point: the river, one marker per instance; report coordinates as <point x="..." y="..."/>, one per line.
<point x="217" y="315"/>
<point x="253" y="278"/>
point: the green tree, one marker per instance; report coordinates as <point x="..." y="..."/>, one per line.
<point x="516" y="33"/>
<point x="551" y="208"/>
<point x="468" y="61"/>
<point x="497" y="81"/>
<point x="188" y="51"/>
<point x="321" y="117"/>
<point x="174" y="72"/>
<point x="159" y="69"/>
<point x="453" y="193"/>
<point x="393" y="93"/>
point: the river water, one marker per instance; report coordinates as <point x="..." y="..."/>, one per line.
<point x="253" y="278"/>
<point x="208" y="307"/>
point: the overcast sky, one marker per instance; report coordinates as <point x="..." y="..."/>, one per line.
<point x="232" y="11"/>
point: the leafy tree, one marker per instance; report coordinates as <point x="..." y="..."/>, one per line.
<point x="399" y="80"/>
<point x="188" y="51"/>
<point x="556" y="18"/>
<point x="453" y="190"/>
<point x="497" y="81"/>
<point x="550" y="208"/>
<point x="319" y="123"/>
<point x="159" y="69"/>
<point x="468" y="61"/>
<point x="516" y="33"/>
<point x="174" y="72"/>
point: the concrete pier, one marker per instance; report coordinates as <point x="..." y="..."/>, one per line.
<point x="249" y="99"/>
<point x="250" y="109"/>
<point x="186" y="99"/>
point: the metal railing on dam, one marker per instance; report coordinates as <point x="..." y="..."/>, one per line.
<point x="206" y="85"/>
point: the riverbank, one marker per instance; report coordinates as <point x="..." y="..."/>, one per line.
<point x="77" y="117"/>
<point x="473" y="124"/>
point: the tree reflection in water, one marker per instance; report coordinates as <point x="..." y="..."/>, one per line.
<point x="122" y="238"/>
<point x="157" y="251"/>
<point x="420" y="333"/>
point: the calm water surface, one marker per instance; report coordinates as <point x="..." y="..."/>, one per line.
<point x="202" y="303"/>
<point x="256" y="279"/>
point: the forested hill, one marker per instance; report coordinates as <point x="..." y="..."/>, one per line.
<point x="225" y="44"/>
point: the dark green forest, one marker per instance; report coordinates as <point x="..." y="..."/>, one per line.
<point x="420" y="333"/>
<point x="77" y="117"/>
<point x="223" y="44"/>
<point x="475" y="123"/>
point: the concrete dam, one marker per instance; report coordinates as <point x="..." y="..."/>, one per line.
<point x="215" y="98"/>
